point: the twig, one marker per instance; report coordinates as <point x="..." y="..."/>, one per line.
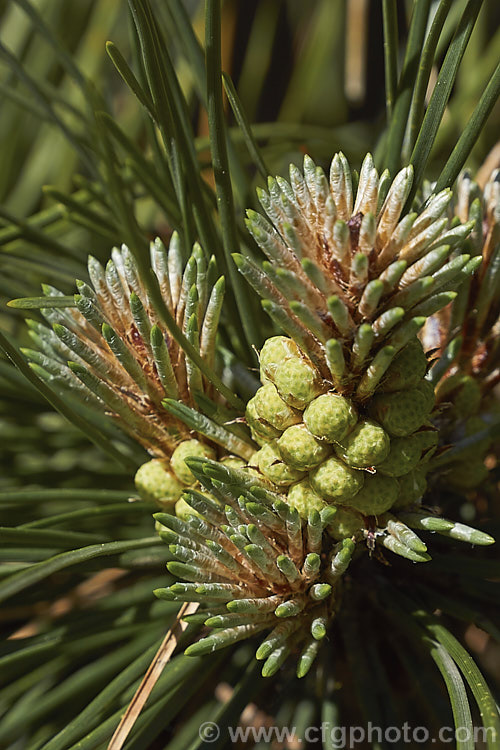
<point x="151" y="677"/>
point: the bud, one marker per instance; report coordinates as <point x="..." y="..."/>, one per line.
<point x="403" y="412"/>
<point x="407" y="369"/>
<point x="233" y="462"/>
<point x="274" y="468"/>
<point x="378" y="494"/>
<point x="275" y="351"/>
<point x="297" y="382"/>
<point x="184" y="450"/>
<point x="403" y="456"/>
<point x="183" y="510"/>
<point x="270" y="407"/>
<point x="367" y="445"/>
<point x="261" y="431"/>
<point x="330" y="417"/>
<point x="156" y="483"/>
<point x="427" y="441"/>
<point x="300" y="449"/>
<point x="302" y="497"/>
<point x="346" y="523"/>
<point x="336" y="481"/>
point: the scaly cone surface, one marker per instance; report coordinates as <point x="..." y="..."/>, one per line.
<point x="319" y="449"/>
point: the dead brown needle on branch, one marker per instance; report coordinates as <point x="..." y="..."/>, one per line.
<point x="151" y="677"/>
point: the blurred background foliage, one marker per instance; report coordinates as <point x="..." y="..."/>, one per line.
<point x="310" y="77"/>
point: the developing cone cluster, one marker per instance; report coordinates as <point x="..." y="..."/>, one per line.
<point x="113" y="349"/>
<point x="254" y="566"/>
<point x="320" y="448"/>
<point x="343" y="414"/>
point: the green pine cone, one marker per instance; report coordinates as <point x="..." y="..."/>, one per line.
<point x="302" y="497"/>
<point x="330" y="417"/>
<point x="403" y="456"/>
<point x="346" y="523"/>
<point x="183" y="510"/>
<point x="297" y="425"/>
<point x="377" y="495"/>
<point x="270" y="407"/>
<point x="403" y="412"/>
<point x="297" y="381"/>
<point x="261" y="430"/>
<point x="155" y="483"/>
<point x="428" y="439"/>
<point x="184" y="450"/>
<point x="300" y="450"/>
<point x="336" y="481"/>
<point x="233" y="462"/>
<point x="367" y="445"/>
<point x="276" y="350"/>
<point x="274" y="468"/>
<point x="407" y="369"/>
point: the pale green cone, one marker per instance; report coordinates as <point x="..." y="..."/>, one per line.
<point x="428" y="439"/>
<point x="402" y="412"/>
<point x="298" y="457"/>
<point x="298" y="382"/>
<point x="300" y="449"/>
<point x="377" y="495"/>
<point x="184" y="450"/>
<point x="346" y="523"/>
<point x="367" y="445"/>
<point x="155" y="482"/>
<point x="330" y="417"/>
<point x="274" y="468"/>
<point x="336" y="481"/>
<point x="233" y="462"/>
<point x="407" y="369"/>
<point x="403" y="456"/>
<point x="261" y="430"/>
<point x="276" y="350"/>
<point x="183" y="510"/>
<point x="270" y="407"/>
<point x="302" y="497"/>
